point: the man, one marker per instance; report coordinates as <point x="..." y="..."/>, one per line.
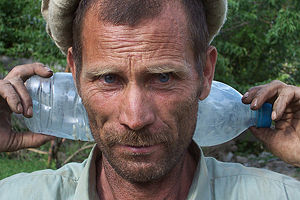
<point x="140" y="68"/>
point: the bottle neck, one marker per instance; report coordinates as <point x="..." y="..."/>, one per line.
<point x="263" y="116"/>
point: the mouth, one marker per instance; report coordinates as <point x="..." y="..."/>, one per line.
<point x="140" y="150"/>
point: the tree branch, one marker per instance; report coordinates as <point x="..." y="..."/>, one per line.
<point x="76" y="152"/>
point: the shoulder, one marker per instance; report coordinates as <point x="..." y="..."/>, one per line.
<point x="234" y="180"/>
<point x="44" y="184"/>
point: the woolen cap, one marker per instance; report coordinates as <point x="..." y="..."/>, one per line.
<point x="59" y="15"/>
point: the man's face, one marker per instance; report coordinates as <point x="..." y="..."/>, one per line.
<point x="140" y="89"/>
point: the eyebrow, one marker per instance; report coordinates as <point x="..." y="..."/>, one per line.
<point x="101" y="71"/>
<point x="179" y="70"/>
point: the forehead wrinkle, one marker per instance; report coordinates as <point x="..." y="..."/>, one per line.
<point x="140" y="42"/>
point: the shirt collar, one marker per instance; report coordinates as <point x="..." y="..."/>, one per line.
<point x="86" y="188"/>
<point x="200" y="188"/>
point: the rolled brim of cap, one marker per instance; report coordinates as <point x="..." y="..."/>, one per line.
<point x="59" y="15"/>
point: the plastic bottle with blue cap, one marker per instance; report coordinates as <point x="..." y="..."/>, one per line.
<point x="222" y="116"/>
<point x="58" y="111"/>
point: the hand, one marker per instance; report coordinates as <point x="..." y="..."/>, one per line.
<point x="283" y="140"/>
<point x="15" y="98"/>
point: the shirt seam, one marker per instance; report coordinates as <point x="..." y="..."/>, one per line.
<point x="285" y="191"/>
<point x="253" y="175"/>
<point x="75" y="180"/>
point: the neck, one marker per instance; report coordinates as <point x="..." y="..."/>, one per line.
<point x="173" y="186"/>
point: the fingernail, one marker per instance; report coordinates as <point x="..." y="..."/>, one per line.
<point x="29" y="111"/>
<point x="48" y="69"/>
<point x="19" y="108"/>
<point x="274" y="115"/>
<point x="246" y="95"/>
<point x="255" y="103"/>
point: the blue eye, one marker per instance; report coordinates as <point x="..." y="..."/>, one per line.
<point x="164" y="77"/>
<point x="109" y="78"/>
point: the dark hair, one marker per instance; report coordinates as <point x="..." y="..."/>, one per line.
<point x="130" y="12"/>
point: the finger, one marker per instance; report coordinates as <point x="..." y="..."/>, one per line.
<point x="287" y="115"/>
<point x="250" y="94"/>
<point x="30" y="139"/>
<point x="26" y="140"/>
<point x="285" y="121"/>
<point x="267" y="93"/>
<point x="284" y="98"/>
<point x="9" y="94"/>
<point x="26" y="71"/>
<point x="26" y="100"/>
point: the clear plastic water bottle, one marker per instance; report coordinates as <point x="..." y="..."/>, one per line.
<point x="57" y="108"/>
<point x="222" y="116"/>
<point x="58" y="111"/>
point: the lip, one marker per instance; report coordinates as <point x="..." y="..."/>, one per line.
<point x="140" y="150"/>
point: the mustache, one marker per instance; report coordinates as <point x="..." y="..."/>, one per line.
<point x="140" y="138"/>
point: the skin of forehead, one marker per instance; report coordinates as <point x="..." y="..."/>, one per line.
<point x="162" y="38"/>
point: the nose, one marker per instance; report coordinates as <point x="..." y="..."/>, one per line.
<point x="136" y="109"/>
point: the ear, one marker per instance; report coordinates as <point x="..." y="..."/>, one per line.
<point x="208" y="71"/>
<point x="72" y="65"/>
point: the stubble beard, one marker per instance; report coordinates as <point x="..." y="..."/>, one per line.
<point x="129" y="167"/>
<point x="137" y="168"/>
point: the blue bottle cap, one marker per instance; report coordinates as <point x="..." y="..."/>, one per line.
<point x="263" y="116"/>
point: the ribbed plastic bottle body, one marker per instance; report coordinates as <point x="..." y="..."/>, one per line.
<point x="222" y="116"/>
<point x="57" y="109"/>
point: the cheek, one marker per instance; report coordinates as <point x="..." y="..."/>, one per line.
<point x="179" y="113"/>
<point x="98" y="101"/>
<point x="185" y="116"/>
<point x="99" y="107"/>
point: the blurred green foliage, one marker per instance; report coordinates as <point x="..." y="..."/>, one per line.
<point x="23" y="35"/>
<point x="259" y="42"/>
<point x="28" y="161"/>
<point x="11" y="163"/>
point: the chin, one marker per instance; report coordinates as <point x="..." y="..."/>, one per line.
<point x="141" y="172"/>
<point x="143" y="168"/>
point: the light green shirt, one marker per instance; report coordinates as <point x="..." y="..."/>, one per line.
<point x="213" y="180"/>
